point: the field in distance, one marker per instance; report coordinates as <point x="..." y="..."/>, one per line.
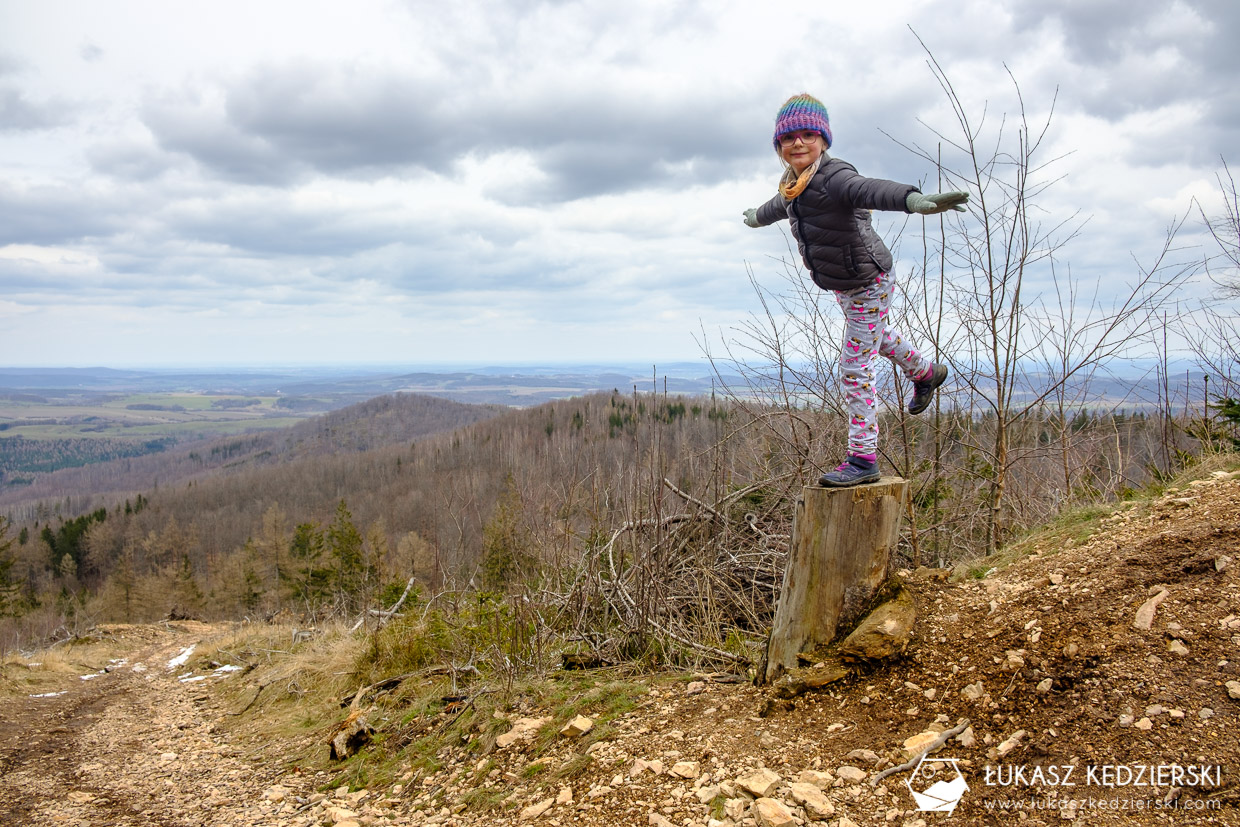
<point x="57" y="418"/>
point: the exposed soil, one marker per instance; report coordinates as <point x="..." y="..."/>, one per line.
<point x="1042" y="658"/>
<point x="128" y="744"/>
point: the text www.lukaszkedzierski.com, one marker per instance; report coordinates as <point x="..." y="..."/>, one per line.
<point x="1110" y="804"/>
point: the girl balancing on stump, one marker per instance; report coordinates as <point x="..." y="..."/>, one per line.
<point x="828" y="206"/>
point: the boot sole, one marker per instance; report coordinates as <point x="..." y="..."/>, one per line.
<point x="936" y="382"/>
<point x="825" y="482"/>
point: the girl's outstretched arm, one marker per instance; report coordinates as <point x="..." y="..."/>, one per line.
<point x="774" y="210"/>
<point x="936" y="202"/>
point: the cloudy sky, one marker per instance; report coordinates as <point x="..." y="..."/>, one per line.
<point x="379" y="181"/>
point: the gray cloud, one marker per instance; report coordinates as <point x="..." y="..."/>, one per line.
<point x="1151" y="55"/>
<point x="90" y="52"/>
<point x="19" y="114"/>
<point x="274" y="227"/>
<point x="282" y="122"/>
<point x="55" y="215"/>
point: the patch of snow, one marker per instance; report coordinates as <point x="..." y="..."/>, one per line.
<point x="53" y="694"/>
<point x="180" y="659"/>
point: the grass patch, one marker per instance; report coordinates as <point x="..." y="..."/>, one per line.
<point x="1077" y="525"/>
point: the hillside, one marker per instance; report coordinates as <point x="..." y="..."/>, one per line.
<point x="214" y="532"/>
<point x="363" y="426"/>
<point x="1038" y="650"/>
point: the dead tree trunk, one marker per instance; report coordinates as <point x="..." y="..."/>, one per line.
<point x="841" y="540"/>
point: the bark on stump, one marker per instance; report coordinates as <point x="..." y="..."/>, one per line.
<point x="841" y="541"/>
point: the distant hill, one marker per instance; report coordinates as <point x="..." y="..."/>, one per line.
<point x="375" y="423"/>
<point x="325" y="388"/>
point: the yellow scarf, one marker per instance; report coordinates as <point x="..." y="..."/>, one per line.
<point x="792" y="185"/>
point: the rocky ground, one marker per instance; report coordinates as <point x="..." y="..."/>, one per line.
<point x="1095" y="682"/>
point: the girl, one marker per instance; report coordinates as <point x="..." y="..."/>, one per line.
<point x="828" y="205"/>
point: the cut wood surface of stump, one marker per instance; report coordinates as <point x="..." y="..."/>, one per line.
<point x="841" y="542"/>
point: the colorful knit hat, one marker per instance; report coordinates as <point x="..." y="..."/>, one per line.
<point x="802" y="112"/>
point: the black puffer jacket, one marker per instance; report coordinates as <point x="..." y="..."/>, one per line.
<point x="831" y="223"/>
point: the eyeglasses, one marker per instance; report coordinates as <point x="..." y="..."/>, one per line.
<point x="806" y="137"/>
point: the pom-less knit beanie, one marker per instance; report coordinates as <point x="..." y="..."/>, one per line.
<point x="802" y="112"/>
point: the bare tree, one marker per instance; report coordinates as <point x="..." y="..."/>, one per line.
<point x="1006" y="250"/>
<point x="1225" y="229"/>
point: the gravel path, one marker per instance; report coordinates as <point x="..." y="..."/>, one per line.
<point x="131" y="744"/>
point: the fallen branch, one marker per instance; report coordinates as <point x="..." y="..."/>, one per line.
<point x="389" y="612"/>
<point x="931" y="747"/>
<point x="261" y="687"/>
<point x="692" y="499"/>
<point x="354" y="701"/>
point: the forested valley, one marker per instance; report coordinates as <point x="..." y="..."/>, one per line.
<point x="629" y="522"/>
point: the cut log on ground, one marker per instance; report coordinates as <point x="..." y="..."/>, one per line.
<point x="841" y="541"/>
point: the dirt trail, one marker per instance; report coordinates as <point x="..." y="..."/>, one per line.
<point x="130" y="744"/>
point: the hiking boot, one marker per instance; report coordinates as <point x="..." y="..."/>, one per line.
<point x="923" y="389"/>
<point x="853" y="471"/>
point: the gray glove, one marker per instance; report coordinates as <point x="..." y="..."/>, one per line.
<point x="936" y="203"/>
<point x="751" y="218"/>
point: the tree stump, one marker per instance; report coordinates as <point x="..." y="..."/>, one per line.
<point x="841" y="540"/>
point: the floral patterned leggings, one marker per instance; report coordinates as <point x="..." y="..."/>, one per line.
<point x="867" y="332"/>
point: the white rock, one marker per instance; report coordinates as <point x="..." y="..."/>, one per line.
<point x="707" y="794"/>
<point x="1145" y="614"/>
<point x="695" y="688"/>
<point x="817" y="806"/>
<point x="685" y="769"/>
<point x="1233" y="690"/>
<point x="916" y="744"/>
<point x="523" y="729"/>
<point x="1177" y="647"/>
<point x="1144" y="724"/>
<point x="1011" y="743"/>
<point x="1045" y="686"/>
<point x="867" y="755"/>
<point x="967" y="738"/>
<point x="973" y="691"/>
<point x="577" y="726"/>
<point x="565" y="796"/>
<point x="340" y="814"/>
<point x="771" y="813"/>
<point x="657" y="820"/>
<point x="536" y="810"/>
<point x="819" y="779"/>
<point x="641" y="765"/>
<point x="853" y="774"/>
<point x="760" y="783"/>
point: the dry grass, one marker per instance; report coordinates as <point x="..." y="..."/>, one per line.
<point x="1075" y="526"/>
<point x="48" y="669"/>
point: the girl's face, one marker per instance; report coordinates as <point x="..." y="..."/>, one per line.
<point x="800" y="149"/>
